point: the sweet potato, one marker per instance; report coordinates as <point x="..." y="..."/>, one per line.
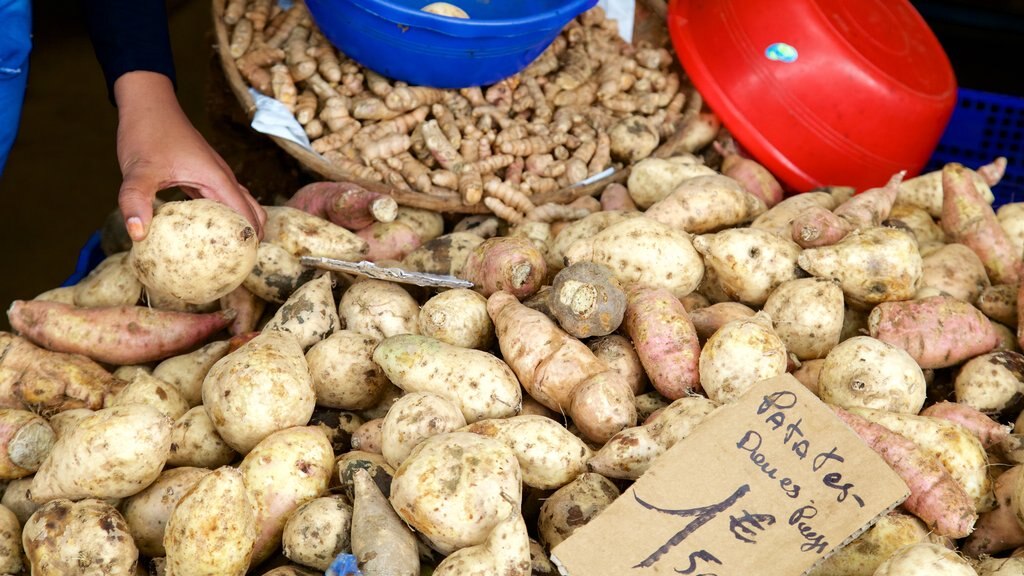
<point x="286" y="469"/>
<point x="935" y="497"/>
<point x="427" y="224"/>
<point x="147" y="512"/>
<point x="379" y="308"/>
<point x="779" y="218"/>
<point x="344" y="203"/>
<point x="506" y="551"/>
<point x="925" y="229"/>
<point x="195" y="442"/>
<point x="17" y="499"/>
<point x="318" y="531"/>
<point x="665" y="340"/>
<point x="616" y="197"/>
<point x="389" y="240"/>
<point x="643" y="251"/>
<point x="872" y="265"/>
<point x="574" y="505"/>
<point x="987" y="430"/>
<point x="10" y="543"/>
<point x="706" y="204"/>
<point x="631" y="452"/>
<point x="1011" y="219"/>
<point x="992" y="383"/>
<point x="445" y="254"/>
<point x="708" y="319"/>
<point x="187" y="371"/>
<point x="303" y="234"/>
<point x="367" y="437"/>
<point x="741" y="353"/>
<point x="998" y="529"/>
<point x="65" y="538"/>
<point x="926" y="191"/>
<point x="868" y="373"/>
<point x="113" y="453"/>
<point x="755" y="178"/>
<point x="309" y="313"/>
<point x="505" y="263"/>
<point x="549" y="455"/>
<point x="116" y="335"/>
<point x="560" y="371"/>
<point x="587" y="300"/>
<point x="937" y="332"/>
<point x="111" y="283"/>
<point x="808" y="315"/>
<point x="343" y="480"/>
<point x="618" y="353"/>
<point x="213" y="528"/>
<point x="261" y="388"/>
<point x="957" y="271"/>
<point x="1000" y="566"/>
<point x="147" y="389"/>
<point x="412" y="419"/>
<point x="925" y="558"/>
<point x="480" y="384"/>
<point x="344" y="374"/>
<point x="25" y="441"/>
<point x="458" y="317"/>
<point x="455" y="488"/>
<point x="62" y="294"/>
<point x="872" y="206"/>
<point x="999" y="303"/>
<point x="867" y="552"/>
<point x="197" y="250"/>
<point x="583" y="228"/>
<point x="748" y="263"/>
<point x="276" y="274"/>
<point x="954" y="446"/>
<point x="652" y="179"/>
<point x="968" y="219"/>
<point x="818" y="226"/>
<point x="65" y="421"/>
<point x="248" y="308"/>
<point x="381" y="542"/>
<point x="157" y="300"/>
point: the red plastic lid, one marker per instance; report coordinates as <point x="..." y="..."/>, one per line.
<point x="820" y="91"/>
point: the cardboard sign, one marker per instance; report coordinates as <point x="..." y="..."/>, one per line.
<point x="768" y="485"/>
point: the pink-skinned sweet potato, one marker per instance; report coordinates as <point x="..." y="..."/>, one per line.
<point x="345" y="204"/>
<point x="754" y="177"/>
<point x="998" y="530"/>
<point x="248" y="309"/>
<point x="987" y="430"/>
<point x="709" y="319"/>
<point x="935" y="497"/>
<point x="616" y="197"/>
<point x="937" y="332"/>
<point x="389" y="240"/>
<point x="508" y="263"/>
<point x="968" y="219"/>
<point x="665" y="339"/>
<point x="819" y="226"/>
<point x="871" y="207"/>
<point x="116" y="335"/>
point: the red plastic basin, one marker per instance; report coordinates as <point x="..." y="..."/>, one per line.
<point x="820" y="91"/>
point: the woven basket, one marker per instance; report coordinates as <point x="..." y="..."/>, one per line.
<point x="647" y="12"/>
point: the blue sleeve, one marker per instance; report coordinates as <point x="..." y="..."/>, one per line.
<point x="15" y="43"/>
<point x="129" y="35"/>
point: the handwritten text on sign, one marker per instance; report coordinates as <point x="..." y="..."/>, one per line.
<point x="770" y="484"/>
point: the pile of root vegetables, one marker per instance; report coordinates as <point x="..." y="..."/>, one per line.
<point x="203" y="403"/>
<point x="588" y="103"/>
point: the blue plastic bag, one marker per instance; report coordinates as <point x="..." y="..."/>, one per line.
<point x="344" y="565"/>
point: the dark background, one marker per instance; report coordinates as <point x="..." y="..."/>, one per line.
<point x="62" y="177"/>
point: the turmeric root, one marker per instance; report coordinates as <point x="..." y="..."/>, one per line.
<point x="259" y="14"/>
<point x="283" y="86"/>
<point x="241" y="38"/>
<point x="405" y="98"/>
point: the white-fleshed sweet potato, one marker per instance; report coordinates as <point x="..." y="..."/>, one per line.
<point x="992" y="383"/>
<point x="748" y="262"/>
<point x="925" y="558"/>
<point x="261" y="388"/>
<point x="344" y="373"/>
<point x="506" y="551"/>
<point x="412" y="419"/>
<point x="65" y="538"/>
<point x="25" y="441"/>
<point x="574" y="505"/>
<point x="581" y="229"/>
<point x="868" y="373"/>
<point x="455" y="488"/>
<point x="808" y="315"/>
<point x="10" y="543"/>
<point x="706" y="204"/>
<point x="309" y="313"/>
<point x="740" y="354"/>
<point x="318" y="531"/>
<point x="955" y="270"/>
<point x="303" y="234"/>
<point x="458" y="317"/>
<point x="652" y="179"/>
<point x="367" y="437"/>
<point x="195" y="442"/>
<point x="619" y="354"/>
<point x="381" y="542"/>
<point x="111" y="283"/>
<point x="779" y="218"/>
<point x="150" y="390"/>
<point x="867" y="552"/>
<point x="276" y="274"/>
<point x="187" y="371"/>
<point x="146" y="513"/>
<point x="379" y="308"/>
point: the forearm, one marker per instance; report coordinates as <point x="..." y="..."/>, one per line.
<point x="129" y="35"/>
<point x="142" y="94"/>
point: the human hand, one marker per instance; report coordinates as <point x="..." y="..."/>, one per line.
<point x="157" y="148"/>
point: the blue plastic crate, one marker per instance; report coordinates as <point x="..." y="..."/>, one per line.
<point x="88" y="258"/>
<point x="983" y="127"/>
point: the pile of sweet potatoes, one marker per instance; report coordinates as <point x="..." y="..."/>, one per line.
<point x="209" y="405"/>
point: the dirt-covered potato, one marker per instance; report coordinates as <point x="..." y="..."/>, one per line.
<point x="652" y="179"/>
<point x="574" y="505"/>
<point x="779" y="218"/>
<point x="445" y="254"/>
<point x="748" y="263"/>
<point x="808" y="315"/>
<point x="113" y="453"/>
<point x="195" y="442"/>
<point x="587" y="300"/>
<point x="146" y="513"/>
<point x="643" y="251"/>
<point x="309" y="313"/>
<point x="381" y="542"/>
<point x="318" y="531"/>
<point x="458" y="317"/>
<point x="412" y="419"/>
<point x="196" y="250"/>
<point x="111" y="283"/>
<point x="261" y="388"/>
<point x="956" y="270"/>
<point x="11" y="554"/>
<point x="276" y="273"/>
<point x="992" y="383"/>
<point x="286" y="469"/>
<point x="706" y="204"/>
<point x="343" y="371"/>
<point x="633" y="139"/>
<point x="741" y="353"/>
<point x="580" y="229"/>
<point x="868" y="373"/>
<point x="367" y="437"/>
<point x="455" y="488"/>
<point x="549" y="455"/>
<point x="213" y="528"/>
<point x="303" y="234"/>
<point x="379" y="308"/>
<point x="65" y="538"/>
<point x="150" y="390"/>
<point x="187" y="371"/>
